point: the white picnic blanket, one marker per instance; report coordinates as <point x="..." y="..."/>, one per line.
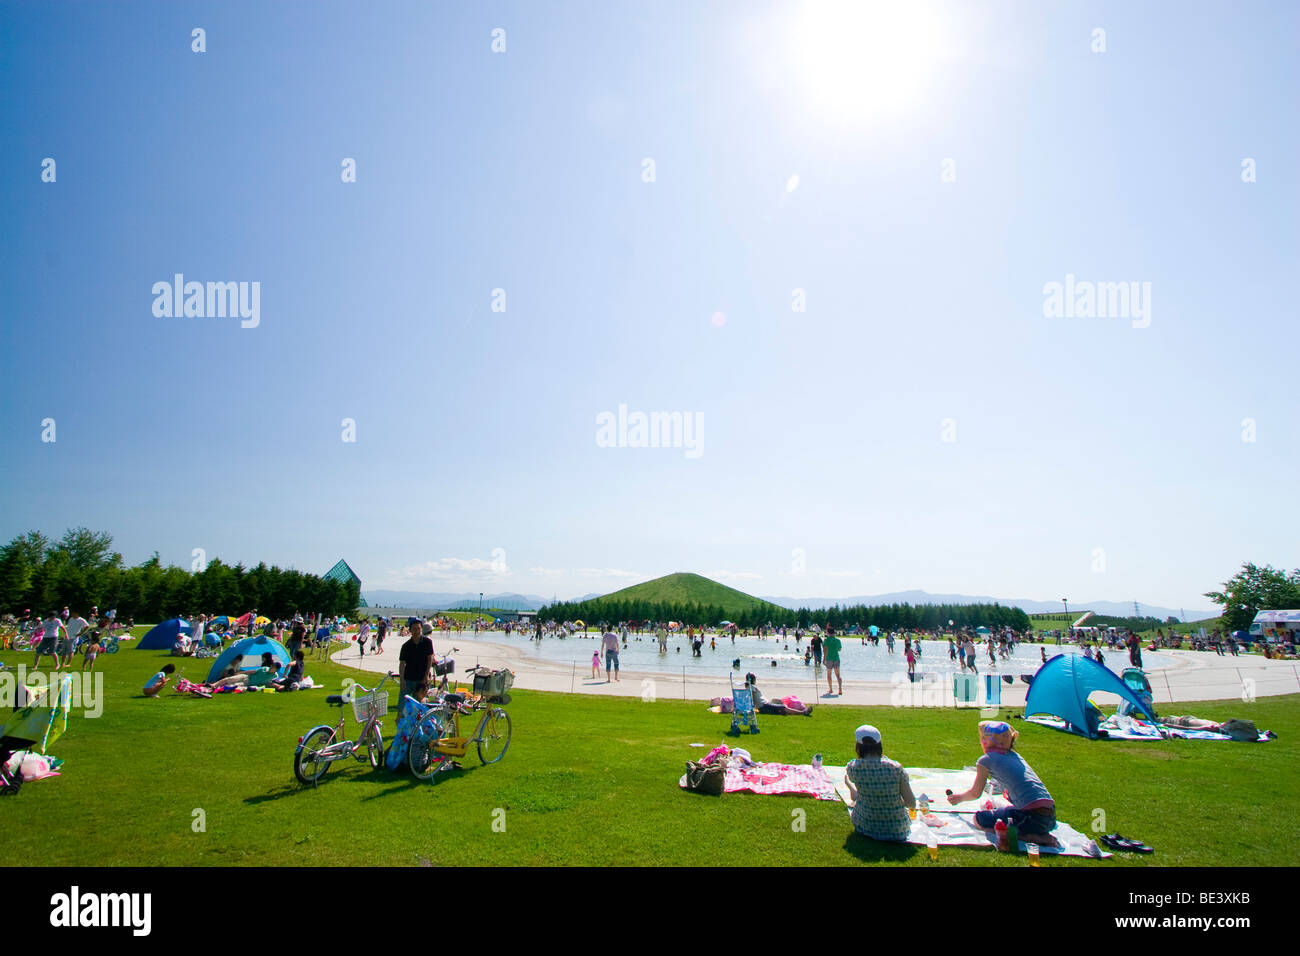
<point x="1134" y="728"/>
<point x="955" y="825"/>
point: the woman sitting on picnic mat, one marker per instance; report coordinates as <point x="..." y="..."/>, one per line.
<point x="1032" y="811"/>
<point x="880" y="790"/>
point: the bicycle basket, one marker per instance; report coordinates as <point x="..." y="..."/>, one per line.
<point x="361" y="705"/>
<point x="494" y="685"/>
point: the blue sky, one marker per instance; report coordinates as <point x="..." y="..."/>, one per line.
<point x="1091" y="459"/>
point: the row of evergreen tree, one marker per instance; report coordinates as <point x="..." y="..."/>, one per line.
<point x="81" y="570"/>
<point x="889" y="617"/>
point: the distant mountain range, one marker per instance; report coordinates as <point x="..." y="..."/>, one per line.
<point x="1029" y="606"/>
<point x="447" y="600"/>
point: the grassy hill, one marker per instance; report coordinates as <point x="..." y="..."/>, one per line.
<point x="684" y="588"/>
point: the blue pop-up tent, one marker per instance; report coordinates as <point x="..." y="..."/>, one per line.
<point x="252" y="648"/>
<point x="162" y="636"/>
<point x="1061" y="687"/>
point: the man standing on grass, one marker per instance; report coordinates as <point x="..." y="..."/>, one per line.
<point x="297" y="634"/>
<point x="415" y="661"/>
<point x="69" y="647"/>
<point x="609" y="643"/>
<point x="50" y="641"/>
<point x="831" y="648"/>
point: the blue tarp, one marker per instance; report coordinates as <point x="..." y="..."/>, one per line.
<point x="1061" y="688"/>
<point x="162" y="636"/>
<point x="252" y="648"/>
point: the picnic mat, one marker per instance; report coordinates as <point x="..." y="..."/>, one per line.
<point x="956" y="827"/>
<point x="777" y="779"/>
<point x="1134" y="728"/>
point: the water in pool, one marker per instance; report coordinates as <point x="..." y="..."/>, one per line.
<point x="858" y="660"/>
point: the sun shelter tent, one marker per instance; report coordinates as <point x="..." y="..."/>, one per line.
<point x="252" y="648"/>
<point x="162" y="636"/>
<point x="1061" y="687"/>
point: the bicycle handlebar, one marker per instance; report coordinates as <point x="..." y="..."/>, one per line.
<point x="370" y="690"/>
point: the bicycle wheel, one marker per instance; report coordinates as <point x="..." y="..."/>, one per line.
<point x="375" y="746"/>
<point x="493" y="735"/>
<point x="423" y="760"/>
<point x="309" y="765"/>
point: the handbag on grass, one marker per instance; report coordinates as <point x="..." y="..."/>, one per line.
<point x="707" y="778"/>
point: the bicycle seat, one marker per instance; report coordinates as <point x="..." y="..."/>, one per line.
<point x="335" y="699"/>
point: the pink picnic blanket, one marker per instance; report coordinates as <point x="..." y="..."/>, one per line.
<point x="778" y="779"/>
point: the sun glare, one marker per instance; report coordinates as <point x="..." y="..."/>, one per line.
<point x="855" y="60"/>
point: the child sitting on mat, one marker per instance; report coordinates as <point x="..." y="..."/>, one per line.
<point x="1032" y="811"/>
<point x="880" y="790"/>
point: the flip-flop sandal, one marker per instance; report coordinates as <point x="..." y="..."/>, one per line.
<point x="1117" y="842"/>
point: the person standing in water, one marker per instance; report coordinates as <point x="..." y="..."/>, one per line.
<point x="831" y="645"/>
<point x="609" y="643"/>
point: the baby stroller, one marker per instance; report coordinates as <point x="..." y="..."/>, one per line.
<point x="742" y="707"/>
<point x="1136" y="680"/>
<point x="32" y="728"/>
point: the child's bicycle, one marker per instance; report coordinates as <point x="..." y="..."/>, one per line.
<point x="109" y="645"/>
<point x="437" y="741"/>
<point x="321" y="746"/>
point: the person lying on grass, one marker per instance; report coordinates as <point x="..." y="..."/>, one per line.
<point x="1032" y="811"/>
<point x="880" y="790"/>
<point x="232" y="676"/>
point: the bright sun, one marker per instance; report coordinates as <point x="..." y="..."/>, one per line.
<point x="856" y="60"/>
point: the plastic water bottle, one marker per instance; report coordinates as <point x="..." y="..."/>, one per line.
<point x="1000" y="828"/>
<point x="1034" y="858"/>
<point x="931" y="844"/>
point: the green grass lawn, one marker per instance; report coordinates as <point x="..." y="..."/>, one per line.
<point x="593" y="781"/>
